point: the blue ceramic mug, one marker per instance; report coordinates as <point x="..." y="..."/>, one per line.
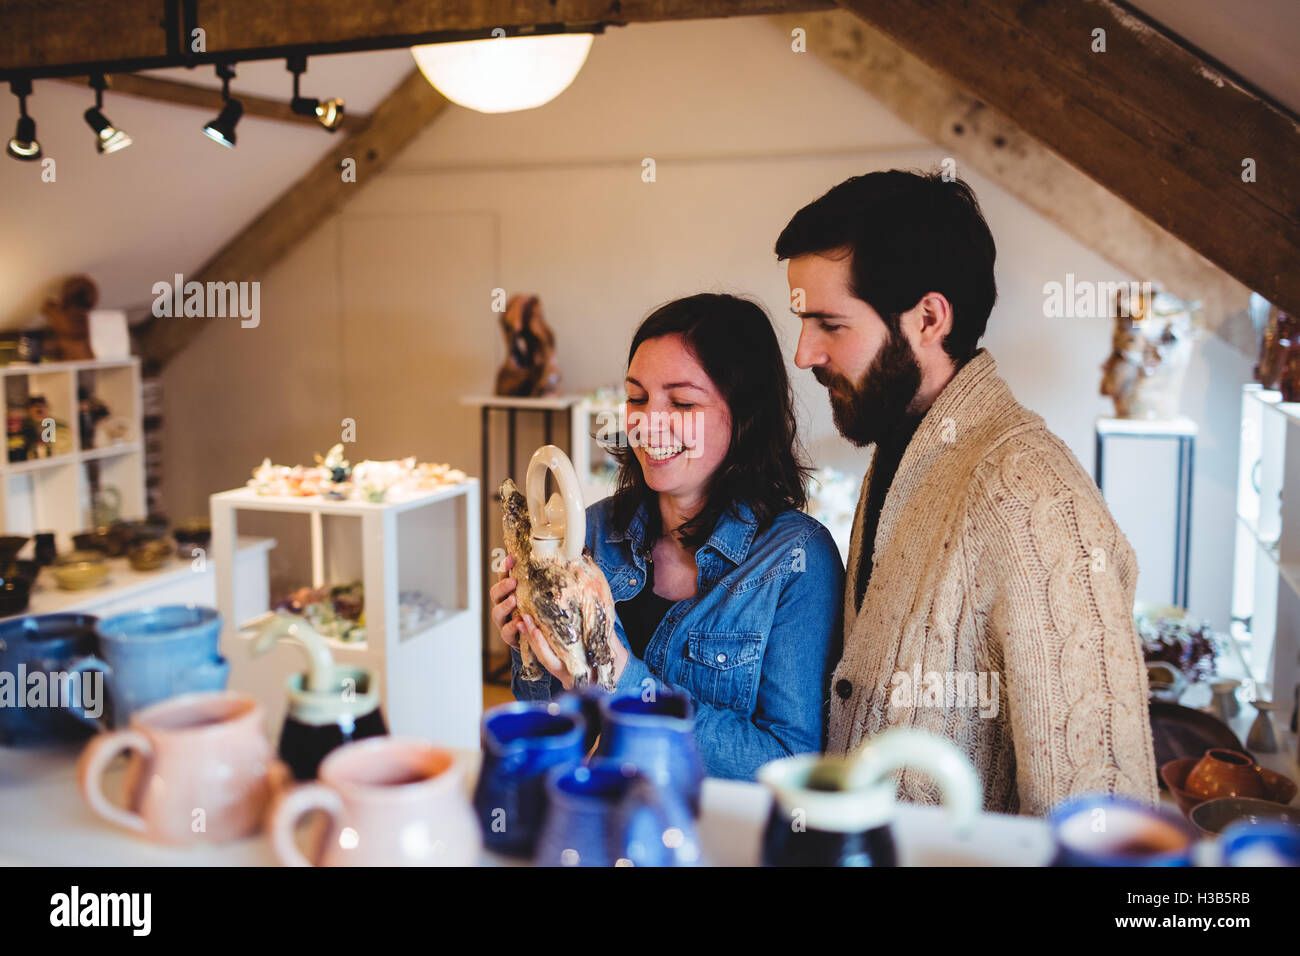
<point x="1269" y="843"/>
<point x="1103" y="830"/>
<point x="46" y="650"/>
<point x="156" y="653"/>
<point x="657" y="737"/>
<point x="522" y="742"/>
<point x="607" y="814"/>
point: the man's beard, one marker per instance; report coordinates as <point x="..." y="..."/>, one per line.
<point x="880" y="404"/>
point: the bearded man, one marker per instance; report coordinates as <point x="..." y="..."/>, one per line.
<point x="989" y="594"/>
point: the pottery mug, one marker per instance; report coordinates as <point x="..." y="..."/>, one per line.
<point x="49" y="648"/>
<point x="390" y="801"/>
<point x="201" y="770"/>
<point x="1103" y="830"/>
<point x="522" y="742"/>
<point x="156" y="653"/>
<point x="606" y="813"/>
<point x="850" y="825"/>
<point x="657" y="737"/>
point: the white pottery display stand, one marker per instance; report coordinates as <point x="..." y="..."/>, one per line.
<point x="430" y="680"/>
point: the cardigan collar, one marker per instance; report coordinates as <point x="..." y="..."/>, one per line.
<point x="972" y="394"/>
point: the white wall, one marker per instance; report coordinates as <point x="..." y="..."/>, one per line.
<point x="382" y="314"/>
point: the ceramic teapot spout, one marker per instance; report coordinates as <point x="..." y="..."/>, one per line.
<point x="561" y="524"/>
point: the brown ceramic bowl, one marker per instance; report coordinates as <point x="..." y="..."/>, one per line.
<point x="1225" y="773"/>
<point x="149" y="555"/>
<point x="1277" y="788"/>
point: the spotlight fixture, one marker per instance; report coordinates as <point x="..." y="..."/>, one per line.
<point x="108" y="139"/>
<point x="329" y="113"/>
<point x="222" y="129"/>
<point x="24" y="145"/>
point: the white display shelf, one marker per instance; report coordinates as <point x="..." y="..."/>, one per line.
<point x="178" y="581"/>
<point x="53" y="494"/>
<point x="1266" y="567"/>
<point x="429" y="680"/>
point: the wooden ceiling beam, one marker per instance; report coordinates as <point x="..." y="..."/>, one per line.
<point x="76" y="37"/>
<point x="1149" y="119"/>
<point x="208" y="98"/>
<point x="993" y="144"/>
<point x="300" y="209"/>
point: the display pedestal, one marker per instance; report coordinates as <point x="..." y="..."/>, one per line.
<point x="428" y="672"/>
<point x="1183" y="431"/>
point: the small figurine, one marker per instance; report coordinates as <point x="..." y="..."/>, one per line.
<point x="90" y="412"/>
<point x="1150" y="350"/>
<point x="69" y="318"/>
<point x="530" y="369"/>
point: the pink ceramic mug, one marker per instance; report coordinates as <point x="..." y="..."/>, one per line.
<point x="391" y="801"/>
<point x="202" y="770"/>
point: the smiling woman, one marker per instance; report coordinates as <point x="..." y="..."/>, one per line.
<point x="724" y="589"/>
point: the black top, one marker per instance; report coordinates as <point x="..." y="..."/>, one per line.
<point x="642" y="613"/>
<point x="889" y="454"/>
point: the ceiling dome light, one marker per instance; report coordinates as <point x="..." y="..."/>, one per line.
<point x="108" y="139"/>
<point x="24" y="145"/>
<point x="222" y="129"/>
<point x="504" y="74"/>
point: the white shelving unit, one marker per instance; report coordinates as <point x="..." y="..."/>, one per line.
<point x="430" y="679"/>
<point x="1266" y="568"/>
<point x="53" y="494"/>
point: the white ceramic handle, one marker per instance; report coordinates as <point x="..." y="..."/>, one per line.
<point x="948" y="767"/>
<point x="90" y="773"/>
<point x="290" y="808"/>
<point x="550" y="458"/>
<point x="320" y="676"/>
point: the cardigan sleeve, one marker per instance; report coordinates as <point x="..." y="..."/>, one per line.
<point x="1075" y="680"/>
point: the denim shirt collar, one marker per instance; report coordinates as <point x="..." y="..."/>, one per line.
<point x="731" y="537"/>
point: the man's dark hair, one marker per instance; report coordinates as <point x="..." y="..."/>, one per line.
<point x="733" y="340"/>
<point x="908" y="233"/>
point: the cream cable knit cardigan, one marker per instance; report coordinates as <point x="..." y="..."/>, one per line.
<point x="997" y="560"/>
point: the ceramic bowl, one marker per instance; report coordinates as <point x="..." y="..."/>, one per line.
<point x="109" y="541"/>
<point x="79" y="570"/>
<point x="14" y="593"/>
<point x="1224" y="773"/>
<point x="1213" y="816"/>
<point x="10" y="545"/>
<point x="149" y="555"/>
<point x="1277" y="788"/>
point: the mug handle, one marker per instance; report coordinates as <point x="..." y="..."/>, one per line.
<point x="90" y="773"/>
<point x="89" y="663"/>
<point x="290" y="808"/>
<point x="944" y="763"/>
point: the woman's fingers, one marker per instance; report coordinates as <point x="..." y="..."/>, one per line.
<point x="501" y="589"/>
<point x="542" y="651"/>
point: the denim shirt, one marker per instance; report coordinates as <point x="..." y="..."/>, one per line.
<point x="754" y="647"/>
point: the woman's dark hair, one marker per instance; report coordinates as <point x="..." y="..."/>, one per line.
<point x="909" y="234"/>
<point x="733" y="340"/>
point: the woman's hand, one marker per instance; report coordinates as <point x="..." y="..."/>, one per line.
<point x="503" y="604"/>
<point x="542" y="651"/>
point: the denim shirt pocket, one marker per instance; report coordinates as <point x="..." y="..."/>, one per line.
<point x="721" y="668"/>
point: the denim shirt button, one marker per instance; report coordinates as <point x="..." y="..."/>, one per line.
<point x="844" y="689"/>
<point x="722" y="658"/>
<point x="631" y="582"/>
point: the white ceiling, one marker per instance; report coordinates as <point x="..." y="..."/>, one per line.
<point x="169" y="202"/>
